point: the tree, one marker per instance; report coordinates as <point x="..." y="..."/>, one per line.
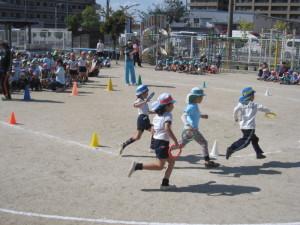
<point x="173" y="9"/>
<point x="73" y="22"/>
<point x="89" y="19"/>
<point x="245" y="26"/>
<point x="114" y="25"/>
<point x="280" y="26"/>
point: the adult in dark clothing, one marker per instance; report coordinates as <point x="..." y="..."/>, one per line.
<point x="5" y="63"/>
<point x="136" y="54"/>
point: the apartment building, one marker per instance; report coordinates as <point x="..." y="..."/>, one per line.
<point x="284" y="9"/>
<point x="48" y="14"/>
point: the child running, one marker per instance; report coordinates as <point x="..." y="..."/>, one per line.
<point x="162" y="123"/>
<point x="191" y="118"/>
<point x="143" y="122"/>
<point x="245" y="112"/>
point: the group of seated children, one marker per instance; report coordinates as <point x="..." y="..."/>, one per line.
<point x="283" y="75"/>
<point x="52" y="71"/>
<point x="193" y="66"/>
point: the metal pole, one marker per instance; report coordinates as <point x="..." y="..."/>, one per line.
<point x="229" y="29"/>
<point x="270" y="48"/>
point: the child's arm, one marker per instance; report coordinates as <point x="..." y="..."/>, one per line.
<point x="236" y="111"/>
<point x="204" y="116"/>
<point x="184" y="120"/>
<point x="170" y="132"/>
<point x="138" y="103"/>
<point x="262" y="108"/>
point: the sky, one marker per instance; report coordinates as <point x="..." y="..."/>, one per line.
<point x="144" y="4"/>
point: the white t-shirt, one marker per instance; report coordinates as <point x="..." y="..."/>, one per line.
<point x="246" y="114"/>
<point x="100" y="47"/>
<point x="144" y="108"/>
<point x="72" y="64"/>
<point x="82" y="62"/>
<point x="159" y="126"/>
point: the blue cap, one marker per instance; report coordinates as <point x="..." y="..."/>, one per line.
<point x="197" y="92"/>
<point x="141" y="89"/>
<point x="247" y="92"/>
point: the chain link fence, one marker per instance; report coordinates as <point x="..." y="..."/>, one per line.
<point x="237" y="53"/>
<point x="41" y="39"/>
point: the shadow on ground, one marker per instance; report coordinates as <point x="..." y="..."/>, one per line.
<point x="212" y="189"/>
<point x="255" y="170"/>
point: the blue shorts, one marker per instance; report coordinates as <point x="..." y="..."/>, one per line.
<point x="161" y="148"/>
<point x="143" y="122"/>
<point x="82" y="69"/>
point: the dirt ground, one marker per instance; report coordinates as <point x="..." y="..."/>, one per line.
<point x="50" y="175"/>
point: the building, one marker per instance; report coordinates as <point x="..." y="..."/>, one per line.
<point x="207" y="4"/>
<point x="284" y="9"/>
<point x="48" y="14"/>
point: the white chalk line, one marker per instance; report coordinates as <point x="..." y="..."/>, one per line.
<point x="109" y="221"/>
<point x="64" y="141"/>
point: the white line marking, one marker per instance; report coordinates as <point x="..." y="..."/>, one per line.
<point x="109" y="221"/>
<point x="68" y="142"/>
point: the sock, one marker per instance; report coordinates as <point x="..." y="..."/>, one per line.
<point x="128" y="142"/>
<point x="139" y="166"/>
<point x="165" y="182"/>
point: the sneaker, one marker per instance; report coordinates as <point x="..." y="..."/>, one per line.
<point x="228" y="153"/>
<point x="211" y="164"/>
<point x="261" y="156"/>
<point x="132" y="168"/>
<point x="167" y="187"/>
<point x="122" y="147"/>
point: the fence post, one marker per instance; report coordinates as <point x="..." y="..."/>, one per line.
<point x="191" y="52"/>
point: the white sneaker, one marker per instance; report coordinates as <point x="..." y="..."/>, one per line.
<point x="166" y="188"/>
<point x="132" y="168"/>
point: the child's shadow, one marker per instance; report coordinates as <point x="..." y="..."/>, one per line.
<point x="213" y="189"/>
<point x="255" y="170"/>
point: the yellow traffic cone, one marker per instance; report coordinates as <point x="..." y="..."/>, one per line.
<point x="109" y="85"/>
<point x="94" y="141"/>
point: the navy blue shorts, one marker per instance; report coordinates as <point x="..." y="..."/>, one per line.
<point x="82" y="69"/>
<point x="143" y="122"/>
<point x="161" y="148"/>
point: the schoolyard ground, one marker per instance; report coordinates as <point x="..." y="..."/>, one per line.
<point x="50" y="175"/>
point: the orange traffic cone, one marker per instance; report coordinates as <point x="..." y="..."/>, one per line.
<point x="74" y="89"/>
<point x="12" y="119"/>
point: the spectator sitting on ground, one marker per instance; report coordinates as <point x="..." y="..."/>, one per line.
<point x="59" y="82"/>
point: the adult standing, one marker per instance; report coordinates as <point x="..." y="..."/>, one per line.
<point x="100" y="48"/>
<point x="5" y="63"/>
<point x="129" y="67"/>
<point x="136" y="55"/>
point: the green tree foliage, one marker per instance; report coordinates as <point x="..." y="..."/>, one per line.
<point x="280" y="26"/>
<point x="89" y="19"/>
<point x="173" y="9"/>
<point x="114" y="25"/>
<point x="245" y="26"/>
<point x="73" y="22"/>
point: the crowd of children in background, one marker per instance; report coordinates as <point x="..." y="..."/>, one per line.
<point x="283" y="75"/>
<point x="55" y="71"/>
<point x="192" y="66"/>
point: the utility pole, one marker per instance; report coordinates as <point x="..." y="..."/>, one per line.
<point x="230" y="18"/>
<point x="107" y="9"/>
<point x="229" y="31"/>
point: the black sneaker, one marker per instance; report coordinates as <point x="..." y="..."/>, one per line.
<point x="122" y="147"/>
<point x="261" y="156"/>
<point x="211" y="164"/>
<point x="228" y="153"/>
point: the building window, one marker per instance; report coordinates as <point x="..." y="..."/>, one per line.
<point x="45" y="4"/>
<point x="196" y="20"/>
